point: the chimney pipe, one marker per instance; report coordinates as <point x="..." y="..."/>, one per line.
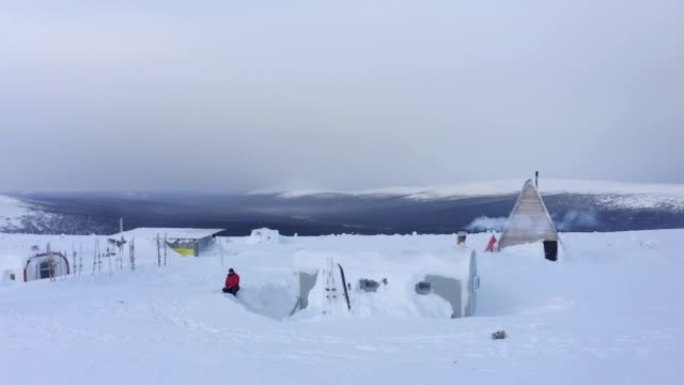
<point x="536" y="179"/>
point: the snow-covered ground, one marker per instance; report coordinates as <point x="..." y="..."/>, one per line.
<point x="616" y="194"/>
<point x="611" y="312"/>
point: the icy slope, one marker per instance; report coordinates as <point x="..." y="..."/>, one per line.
<point x="24" y="216"/>
<point x="11" y="212"/>
<point x="611" y="312"/>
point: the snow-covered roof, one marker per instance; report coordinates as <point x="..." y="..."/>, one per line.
<point x="453" y="262"/>
<point x="171" y="233"/>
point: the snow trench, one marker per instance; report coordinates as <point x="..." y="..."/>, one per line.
<point x="274" y="301"/>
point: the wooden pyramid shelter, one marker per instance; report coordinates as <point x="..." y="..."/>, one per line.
<point x="529" y="221"/>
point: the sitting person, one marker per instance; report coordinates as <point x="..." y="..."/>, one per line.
<point x="232" y="282"/>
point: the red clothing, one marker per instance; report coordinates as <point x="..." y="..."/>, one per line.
<point x="491" y="244"/>
<point x="232" y="280"/>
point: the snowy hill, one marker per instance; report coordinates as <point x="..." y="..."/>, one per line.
<point x="609" y="313"/>
<point x="626" y="195"/>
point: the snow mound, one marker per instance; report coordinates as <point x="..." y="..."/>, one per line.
<point x="264" y="236"/>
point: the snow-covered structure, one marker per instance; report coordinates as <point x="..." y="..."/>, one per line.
<point x="264" y="236"/>
<point x="184" y="241"/>
<point x="371" y="284"/>
<point x="23" y="267"/>
<point x="46" y="265"/>
<point x="529" y="220"/>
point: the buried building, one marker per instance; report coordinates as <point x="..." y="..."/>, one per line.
<point x="184" y="241"/>
<point x="439" y="283"/>
<point x="264" y="236"/>
<point x="18" y="267"/>
<point x="530" y="222"/>
<point x="46" y="265"/>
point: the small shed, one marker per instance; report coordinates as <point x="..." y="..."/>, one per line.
<point x="529" y="220"/>
<point x="46" y="265"/>
<point x="264" y="236"/>
<point x="185" y="241"/>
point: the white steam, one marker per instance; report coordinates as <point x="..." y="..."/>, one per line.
<point x="485" y="223"/>
<point x="577" y="218"/>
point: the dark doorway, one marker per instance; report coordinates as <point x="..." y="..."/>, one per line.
<point x="45" y="270"/>
<point x="551" y="250"/>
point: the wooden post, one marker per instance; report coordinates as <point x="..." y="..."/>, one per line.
<point x="98" y="255"/>
<point x="109" y="254"/>
<point x="121" y="252"/>
<point x="165" y="248"/>
<point x="94" y="257"/>
<point x="158" y="251"/>
<point x="80" y="258"/>
<point x="73" y="257"/>
<point x="131" y="252"/>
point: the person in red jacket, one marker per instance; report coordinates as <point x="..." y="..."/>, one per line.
<point x="491" y="244"/>
<point x="232" y="282"/>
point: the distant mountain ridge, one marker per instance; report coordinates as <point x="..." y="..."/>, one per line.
<point x="619" y="194"/>
<point x="574" y="206"/>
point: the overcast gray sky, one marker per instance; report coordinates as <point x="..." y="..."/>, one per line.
<point x="228" y="95"/>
